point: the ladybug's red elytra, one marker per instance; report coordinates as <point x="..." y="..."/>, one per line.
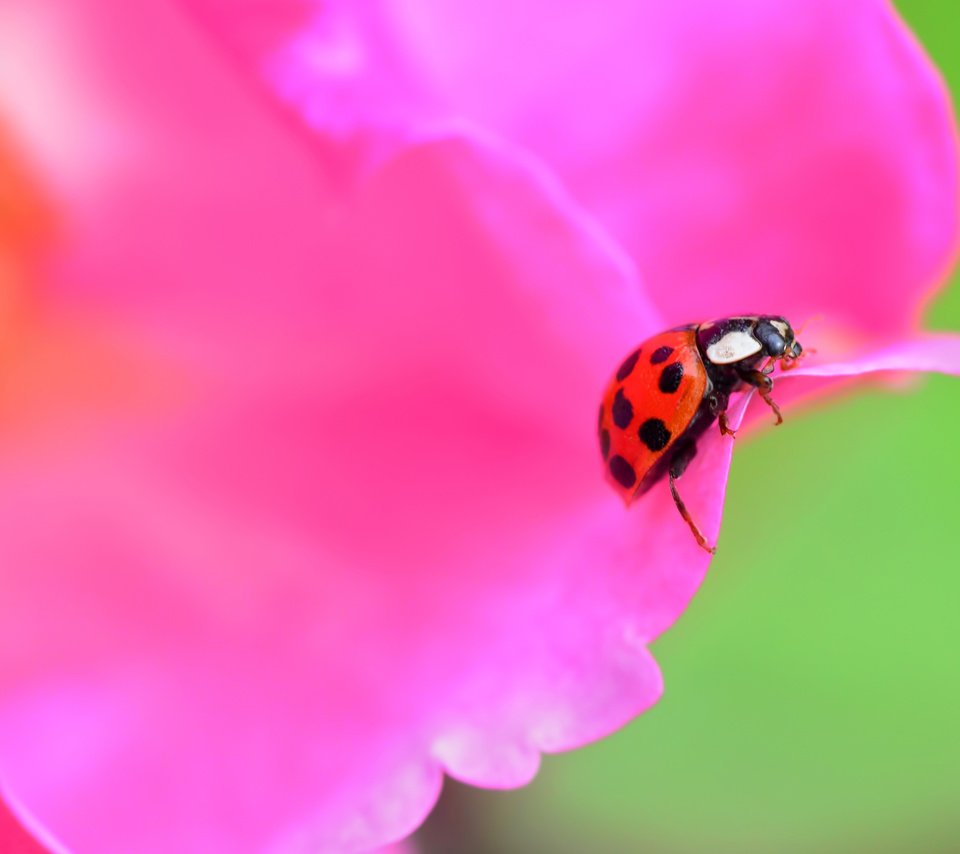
<point x="674" y="386"/>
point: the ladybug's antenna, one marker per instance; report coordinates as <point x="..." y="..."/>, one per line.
<point x="789" y="362"/>
<point x="814" y="318"/>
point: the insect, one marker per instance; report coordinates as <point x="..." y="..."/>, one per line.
<point x="674" y="386"/>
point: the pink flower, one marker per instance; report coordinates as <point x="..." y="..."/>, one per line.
<point x="309" y="310"/>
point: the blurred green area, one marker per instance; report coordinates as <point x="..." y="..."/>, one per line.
<point x="813" y="686"/>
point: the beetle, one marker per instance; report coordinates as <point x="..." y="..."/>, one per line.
<point x="668" y="391"/>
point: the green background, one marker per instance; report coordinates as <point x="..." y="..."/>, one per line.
<point x="813" y="686"/>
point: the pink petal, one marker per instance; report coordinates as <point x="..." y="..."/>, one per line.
<point x="22" y="837"/>
<point x="303" y="563"/>
<point x="933" y="353"/>
<point x="129" y="104"/>
<point x="796" y="157"/>
<point x="337" y="63"/>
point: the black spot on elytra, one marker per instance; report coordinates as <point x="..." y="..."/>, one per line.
<point x="654" y="434"/>
<point x="628" y="365"/>
<point x="661" y="354"/>
<point x="622" y="411"/>
<point x="605" y="443"/>
<point x="670" y="377"/>
<point x="622" y="472"/>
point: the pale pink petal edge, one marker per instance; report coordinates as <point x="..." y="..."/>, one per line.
<point x="935" y="353"/>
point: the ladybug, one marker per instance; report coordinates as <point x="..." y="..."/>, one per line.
<point x="669" y="390"/>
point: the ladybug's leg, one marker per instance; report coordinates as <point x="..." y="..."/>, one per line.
<point x="678" y="466"/>
<point x="725" y="426"/>
<point x="718" y="402"/>
<point x="764" y="385"/>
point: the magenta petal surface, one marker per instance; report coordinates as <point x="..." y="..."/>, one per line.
<point x="323" y="476"/>
<point x="337" y="64"/>
<point x="17" y="837"/>
<point x="794" y="157"/>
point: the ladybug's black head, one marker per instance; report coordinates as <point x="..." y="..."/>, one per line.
<point x="776" y="336"/>
<point x="747" y="340"/>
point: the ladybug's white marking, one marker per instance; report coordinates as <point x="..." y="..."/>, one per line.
<point x="780" y="326"/>
<point x="733" y="347"/>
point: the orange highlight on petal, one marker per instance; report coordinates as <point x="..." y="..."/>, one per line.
<point x="25" y="217"/>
